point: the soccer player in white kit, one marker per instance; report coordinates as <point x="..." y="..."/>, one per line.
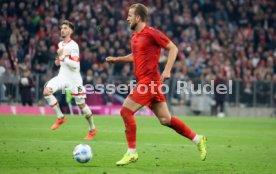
<point x="69" y="77"/>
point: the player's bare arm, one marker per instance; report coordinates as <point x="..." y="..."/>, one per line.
<point x="125" y="59"/>
<point x="57" y="63"/>
<point x="60" y="54"/>
<point x="173" y="50"/>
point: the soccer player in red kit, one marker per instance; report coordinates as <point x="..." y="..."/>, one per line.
<point x="146" y="44"/>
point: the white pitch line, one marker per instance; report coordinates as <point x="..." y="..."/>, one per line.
<point x="113" y="143"/>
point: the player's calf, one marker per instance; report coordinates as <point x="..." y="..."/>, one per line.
<point x="52" y="101"/>
<point x="88" y="116"/>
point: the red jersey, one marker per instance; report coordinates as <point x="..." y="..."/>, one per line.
<point x="146" y="47"/>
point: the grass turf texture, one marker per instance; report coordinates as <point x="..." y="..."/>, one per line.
<point x="235" y="145"/>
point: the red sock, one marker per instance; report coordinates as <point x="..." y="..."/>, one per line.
<point x="181" y="128"/>
<point x="130" y="124"/>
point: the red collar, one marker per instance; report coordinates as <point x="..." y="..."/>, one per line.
<point x="66" y="42"/>
<point x="146" y="26"/>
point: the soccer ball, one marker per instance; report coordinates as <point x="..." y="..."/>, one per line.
<point x="82" y="153"/>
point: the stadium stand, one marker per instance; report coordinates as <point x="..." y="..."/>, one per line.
<point x="233" y="37"/>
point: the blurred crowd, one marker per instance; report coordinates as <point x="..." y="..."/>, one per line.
<point x="234" y="37"/>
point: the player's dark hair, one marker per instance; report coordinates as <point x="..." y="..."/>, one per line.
<point x="140" y="10"/>
<point x="69" y="24"/>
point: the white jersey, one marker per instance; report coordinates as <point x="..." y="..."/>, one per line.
<point x="69" y="67"/>
<point x="69" y="76"/>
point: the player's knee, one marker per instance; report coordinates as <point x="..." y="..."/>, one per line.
<point x="47" y="91"/>
<point x="81" y="106"/>
<point x="125" y="112"/>
<point x="85" y="110"/>
<point x="128" y="116"/>
<point x="164" y="121"/>
<point x="122" y="112"/>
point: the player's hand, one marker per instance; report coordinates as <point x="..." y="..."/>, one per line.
<point x="57" y="62"/>
<point x="110" y="59"/>
<point x="165" y="75"/>
<point x="60" y="51"/>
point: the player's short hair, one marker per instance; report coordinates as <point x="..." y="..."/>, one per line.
<point x="69" y="24"/>
<point x="140" y="10"/>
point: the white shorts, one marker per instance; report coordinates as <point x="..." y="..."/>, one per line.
<point x="74" y="84"/>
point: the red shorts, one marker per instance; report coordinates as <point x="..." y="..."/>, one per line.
<point x="147" y="93"/>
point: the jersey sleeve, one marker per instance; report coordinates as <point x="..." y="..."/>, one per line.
<point x="75" y="51"/>
<point x="160" y="38"/>
<point x="72" y="60"/>
<point x="71" y="63"/>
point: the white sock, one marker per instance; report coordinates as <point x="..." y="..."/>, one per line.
<point x="90" y="121"/>
<point x="52" y="101"/>
<point x="58" y="111"/>
<point x="87" y="112"/>
<point x="196" y="139"/>
<point x="131" y="151"/>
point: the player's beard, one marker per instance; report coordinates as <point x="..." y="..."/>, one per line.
<point x="63" y="36"/>
<point x="133" y="26"/>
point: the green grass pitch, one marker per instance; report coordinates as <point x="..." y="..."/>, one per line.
<point x="235" y="145"/>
